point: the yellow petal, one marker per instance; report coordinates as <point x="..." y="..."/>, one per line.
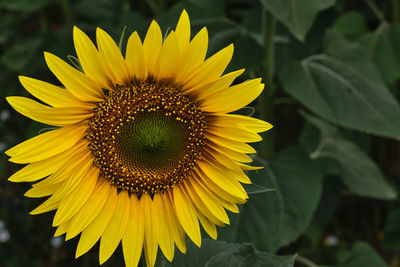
<point x="75" y="81"/>
<point x="234" y="173"/>
<point x="234" y="155"/>
<point x="165" y="233"/>
<point x="249" y="168"/>
<point x="75" y="177"/>
<point x="168" y="59"/>
<point x="219" y="85"/>
<point x="193" y="56"/>
<point x="46" y="145"/>
<point x="183" y="31"/>
<point x="219" y="178"/>
<point x="72" y="203"/>
<point x="199" y="205"/>
<point x="174" y="225"/>
<point x="234" y="97"/>
<point x="116" y="228"/>
<point x="46" y="206"/>
<point x="50" y="94"/>
<point x="151" y="229"/>
<point x="238" y="146"/>
<point x="90" y="210"/>
<point x="210" y="70"/>
<point x="74" y="162"/>
<point x="60" y="116"/>
<point x="40" y="169"/>
<point x="231" y="206"/>
<point x="114" y="62"/>
<point x="187" y="215"/>
<point x="208" y="226"/>
<point x="253" y="124"/>
<point x="93" y="232"/>
<point x="62" y="229"/>
<point x="214" y="155"/>
<point x="217" y="190"/>
<point x="239" y="134"/>
<point x="134" y="58"/>
<point x="152" y="45"/>
<point x="209" y="201"/>
<point x="42" y="191"/>
<point x="132" y="241"/>
<point x="90" y="59"/>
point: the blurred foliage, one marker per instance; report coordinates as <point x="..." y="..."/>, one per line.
<point x="333" y="99"/>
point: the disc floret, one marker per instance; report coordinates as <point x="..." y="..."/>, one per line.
<point x="146" y="137"/>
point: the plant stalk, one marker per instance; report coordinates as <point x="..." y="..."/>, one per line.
<point x="375" y="9"/>
<point x="68" y="16"/>
<point x="267" y="97"/>
<point x="305" y="261"/>
<point x="396" y="11"/>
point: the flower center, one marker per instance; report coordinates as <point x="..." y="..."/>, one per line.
<point x="146" y="137"/>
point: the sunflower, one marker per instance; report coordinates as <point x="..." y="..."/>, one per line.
<point x="144" y="147"/>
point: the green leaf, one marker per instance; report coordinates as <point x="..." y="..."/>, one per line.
<point x="297" y="15"/>
<point x="381" y="51"/>
<point x="362" y="255"/>
<point x="283" y="214"/>
<point x="252" y="189"/>
<point x="221" y="254"/>
<point x="25" y="6"/>
<point x="343" y="87"/>
<point x="351" y="25"/>
<point x="247" y="49"/>
<point x="359" y="172"/>
<point x="21" y="55"/>
<point x="100" y="10"/>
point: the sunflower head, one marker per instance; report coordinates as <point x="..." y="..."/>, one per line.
<point x="145" y="147"/>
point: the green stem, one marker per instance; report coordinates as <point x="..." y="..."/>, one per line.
<point x="396" y="11"/>
<point x="375" y="9"/>
<point x="267" y="98"/>
<point x="68" y="16"/>
<point x="305" y="261"/>
<point x="43" y="22"/>
<point x="154" y="7"/>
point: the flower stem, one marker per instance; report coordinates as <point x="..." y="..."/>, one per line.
<point x="68" y="16"/>
<point x="396" y="11"/>
<point x="305" y="261"/>
<point x="375" y="9"/>
<point x="267" y="98"/>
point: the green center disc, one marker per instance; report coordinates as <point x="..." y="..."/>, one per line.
<point x="153" y="141"/>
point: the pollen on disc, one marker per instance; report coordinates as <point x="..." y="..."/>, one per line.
<point x="146" y="137"/>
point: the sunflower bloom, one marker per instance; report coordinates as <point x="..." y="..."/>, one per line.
<point x="144" y="148"/>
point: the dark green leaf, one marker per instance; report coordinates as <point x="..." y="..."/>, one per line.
<point x="362" y="255"/>
<point x="26" y="6"/>
<point x="351" y="25"/>
<point x="297" y="15"/>
<point x="103" y="10"/>
<point x="247" y="50"/>
<point x="382" y="52"/>
<point x="344" y="87"/>
<point x="21" y="55"/>
<point x="221" y="254"/>
<point x="252" y="189"/>
<point x="359" y="172"/>
<point x="283" y="214"/>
